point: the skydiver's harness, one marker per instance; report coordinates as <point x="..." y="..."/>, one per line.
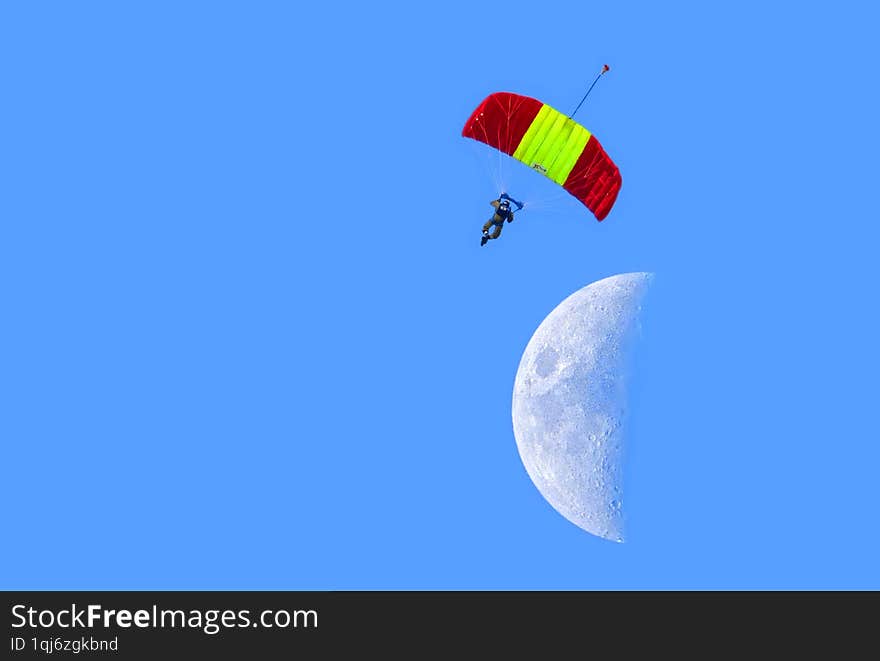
<point x="503" y="214"/>
<point x="506" y="214"/>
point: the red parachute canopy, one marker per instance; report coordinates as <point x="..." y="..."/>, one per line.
<point x="549" y="142"/>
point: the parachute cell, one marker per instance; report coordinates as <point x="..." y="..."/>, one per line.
<point x="549" y="142"/>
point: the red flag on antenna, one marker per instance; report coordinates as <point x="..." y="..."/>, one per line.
<point x="605" y="68"/>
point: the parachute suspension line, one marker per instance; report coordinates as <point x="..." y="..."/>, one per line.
<point x="502" y="165"/>
<point x="500" y="173"/>
<point x="605" y="68"/>
<point x="487" y="161"/>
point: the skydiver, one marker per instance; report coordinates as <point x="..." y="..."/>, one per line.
<point x="502" y="213"/>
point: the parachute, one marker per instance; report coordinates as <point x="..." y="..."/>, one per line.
<point x="549" y="142"/>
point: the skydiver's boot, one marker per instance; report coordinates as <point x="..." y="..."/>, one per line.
<point x="484" y="239"/>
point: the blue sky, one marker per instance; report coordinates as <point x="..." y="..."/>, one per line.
<point x="250" y="339"/>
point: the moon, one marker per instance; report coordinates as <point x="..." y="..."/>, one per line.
<point x="569" y="402"/>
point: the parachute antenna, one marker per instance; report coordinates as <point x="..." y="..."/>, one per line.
<point x="605" y="69"/>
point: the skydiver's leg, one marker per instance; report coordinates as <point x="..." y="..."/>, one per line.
<point x="487" y="226"/>
<point x="497" y="232"/>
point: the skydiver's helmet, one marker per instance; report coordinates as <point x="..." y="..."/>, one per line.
<point x="505" y="205"/>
